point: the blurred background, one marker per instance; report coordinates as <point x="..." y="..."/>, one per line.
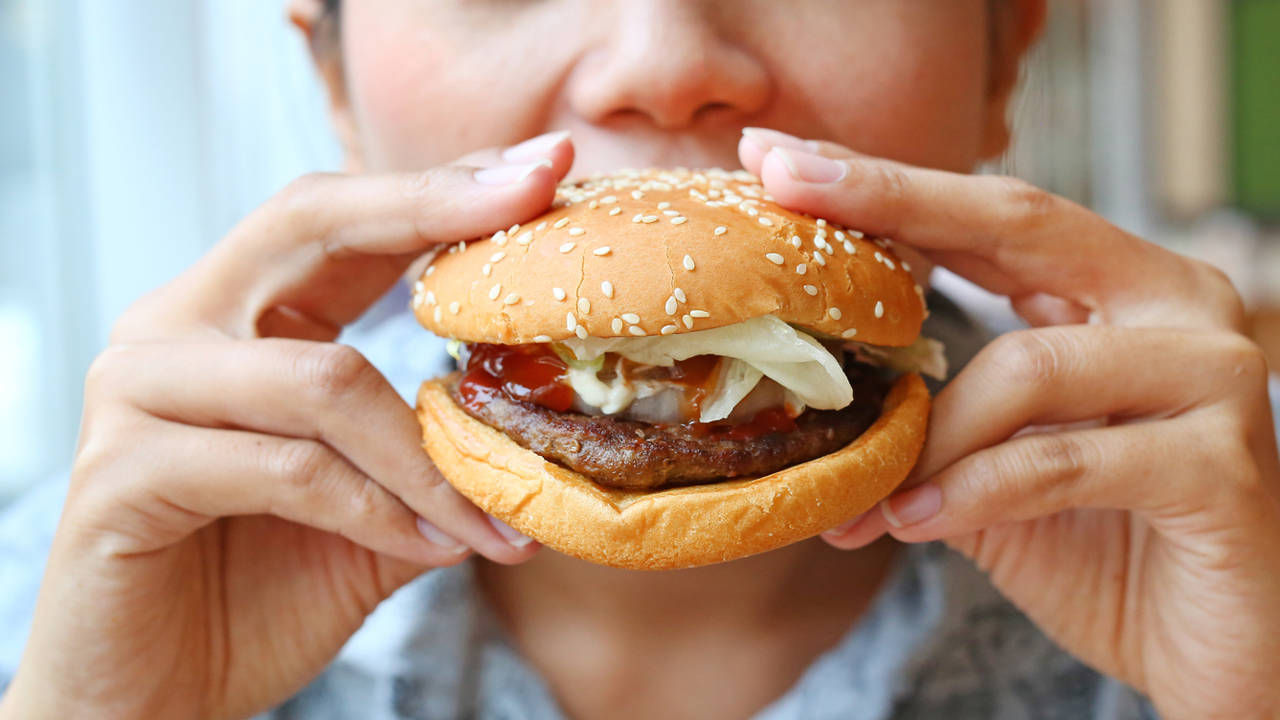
<point x="134" y="133"/>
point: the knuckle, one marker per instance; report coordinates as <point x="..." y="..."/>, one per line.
<point x="1217" y="291"/>
<point x="895" y="185"/>
<point x="1243" y="361"/>
<point x="1028" y="357"/>
<point x="297" y="203"/>
<point x="1029" y="207"/>
<point x="107" y="369"/>
<point x="333" y="370"/>
<point x="300" y="463"/>
<point x="1061" y="461"/>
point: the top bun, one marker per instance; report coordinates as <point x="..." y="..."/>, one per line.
<point x="652" y="252"/>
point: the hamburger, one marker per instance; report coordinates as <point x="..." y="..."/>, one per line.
<point x="668" y="369"/>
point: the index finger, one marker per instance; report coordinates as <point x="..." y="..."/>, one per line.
<point x="1003" y="234"/>
<point x="318" y="254"/>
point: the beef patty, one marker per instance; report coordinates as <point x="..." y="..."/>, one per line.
<point x="635" y="455"/>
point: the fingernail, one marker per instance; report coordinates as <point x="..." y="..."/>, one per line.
<point x="913" y="506"/>
<point x="766" y="139"/>
<point x="510" y="534"/>
<point x="534" y="148"/>
<point x="436" y="536"/>
<point x="508" y="174"/>
<point x="809" y="167"/>
<point x="845" y="527"/>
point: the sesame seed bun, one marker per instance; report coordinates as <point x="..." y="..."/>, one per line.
<point x="662" y="252"/>
<point x="677" y="527"/>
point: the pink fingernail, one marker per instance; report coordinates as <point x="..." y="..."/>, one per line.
<point x="535" y="148"/>
<point x="809" y="167"/>
<point x="913" y="506"/>
<point x="508" y="174"/>
<point x="436" y="536"/>
<point x="767" y="138"/>
<point x="510" y="534"/>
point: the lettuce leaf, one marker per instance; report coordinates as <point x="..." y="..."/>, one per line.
<point x="764" y="345"/>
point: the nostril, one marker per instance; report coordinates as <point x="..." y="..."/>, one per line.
<point x="712" y="108"/>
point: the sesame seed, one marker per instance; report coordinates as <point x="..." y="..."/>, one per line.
<point x="699" y="314"/>
<point x="566" y="247"/>
<point x="668" y="329"/>
<point x="801" y="268"/>
<point x="879" y="309"/>
<point x="561" y="223"/>
<point x="905" y="266"/>
<point x="577" y="231"/>
<point x="766" y="222"/>
<point x="834" y="312"/>
<point x="496" y="257"/>
<point x="609" y="199"/>
<point x="593" y="204"/>
<point x="919" y="290"/>
<point x="584" y="305"/>
<point x="418" y="286"/>
<point x="688" y="263"/>
<point x="616" y="325"/>
<point x="454" y="307"/>
<point x="437" y="314"/>
<point x="720" y="230"/>
<point x="840" y="235"/>
<point x="511" y="299"/>
<point x="821" y="223"/>
<point x="687" y="320"/>
<point x="857" y="233"/>
<point x="680" y="295"/>
<point x="602" y="250"/>
<point x="671" y="305"/>
<point x="525" y="238"/>
<point x="541" y="226"/>
<point x="889" y="263"/>
<point x="849" y="333"/>
<point x="494" y="291"/>
<point x="819" y="259"/>
<point x="775" y="258"/>
<point x="638" y="218"/>
<point x="635" y="330"/>
<point x="636" y="194"/>
<point x="811" y="289"/>
<point x="671" y="213"/>
<point x="500" y="238"/>
<point x="486" y="270"/>
<point x="541" y="338"/>
<point x="754" y="212"/>
<point x="570" y="321"/>
<point x="615" y="211"/>
<point x="431" y="298"/>
<point x="879" y="257"/>
<point x="430" y="269"/>
<point x="820" y="234"/>
<point x="606" y="287"/>
<point x="558" y="293"/>
<point x="664" y="205"/>
<point x="630" y="318"/>
<point x="513" y="229"/>
<point x="849" y="248"/>
<point x="581" y="331"/>
<point x="796" y="241"/>
<point x="649" y="219"/>
<point x="679" y="220"/>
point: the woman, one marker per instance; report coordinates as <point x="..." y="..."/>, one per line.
<point x="246" y="492"/>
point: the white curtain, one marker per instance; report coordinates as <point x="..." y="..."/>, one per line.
<point x="133" y="134"/>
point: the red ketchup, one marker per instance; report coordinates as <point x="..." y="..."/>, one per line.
<point x="765" y="422"/>
<point x="532" y="373"/>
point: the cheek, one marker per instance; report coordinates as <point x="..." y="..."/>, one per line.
<point x="421" y="96"/>
<point x="909" y="86"/>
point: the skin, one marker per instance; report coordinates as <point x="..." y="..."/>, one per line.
<point x="256" y="469"/>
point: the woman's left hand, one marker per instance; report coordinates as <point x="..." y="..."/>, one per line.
<point x="1142" y="533"/>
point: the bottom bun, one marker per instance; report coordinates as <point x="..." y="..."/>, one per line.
<point x="677" y="527"/>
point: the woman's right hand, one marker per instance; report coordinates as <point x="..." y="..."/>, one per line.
<point x="246" y="491"/>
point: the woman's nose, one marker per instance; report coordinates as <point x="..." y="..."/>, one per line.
<point x="669" y="62"/>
